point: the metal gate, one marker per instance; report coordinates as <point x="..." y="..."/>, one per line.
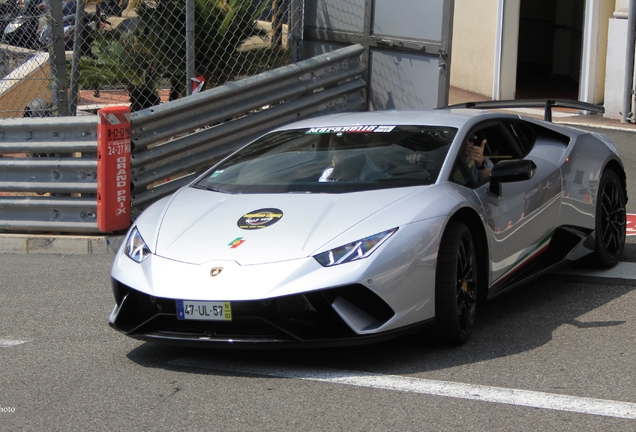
<point x="407" y="46"/>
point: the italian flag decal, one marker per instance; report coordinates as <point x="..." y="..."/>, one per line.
<point x="538" y="250"/>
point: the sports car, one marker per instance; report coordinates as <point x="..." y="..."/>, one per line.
<point x="358" y="227"/>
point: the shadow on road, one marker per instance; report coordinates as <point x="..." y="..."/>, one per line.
<point x="519" y="321"/>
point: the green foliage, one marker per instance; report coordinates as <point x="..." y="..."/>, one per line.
<point x="156" y="49"/>
<point x="122" y="60"/>
<point x="220" y="30"/>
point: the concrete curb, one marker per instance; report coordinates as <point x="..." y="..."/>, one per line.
<point x="616" y="127"/>
<point x="59" y="244"/>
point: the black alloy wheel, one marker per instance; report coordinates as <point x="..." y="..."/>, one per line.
<point x="455" y="286"/>
<point x="610" y="220"/>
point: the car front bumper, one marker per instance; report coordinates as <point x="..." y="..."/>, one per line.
<point x="312" y="319"/>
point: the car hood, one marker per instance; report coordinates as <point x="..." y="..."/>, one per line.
<point x="200" y="226"/>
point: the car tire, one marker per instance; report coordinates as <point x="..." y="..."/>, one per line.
<point x="455" y="286"/>
<point x="610" y="222"/>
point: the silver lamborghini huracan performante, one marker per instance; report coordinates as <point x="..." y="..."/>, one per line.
<point x="358" y="227"/>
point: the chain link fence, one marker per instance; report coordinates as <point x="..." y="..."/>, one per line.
<point x="142" y="52"/>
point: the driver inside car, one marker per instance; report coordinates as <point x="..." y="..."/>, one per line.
<point x="473" y="154"/>
<point x="353" y="164"/>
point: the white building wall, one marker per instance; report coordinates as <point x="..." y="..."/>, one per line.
<point x="474" y="36"/>
<point x="505" y="86"/>
<point x="606" y="11"/>
<point x="615" y="61"/>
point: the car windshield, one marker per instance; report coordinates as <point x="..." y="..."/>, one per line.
<point x="334" y="160"/>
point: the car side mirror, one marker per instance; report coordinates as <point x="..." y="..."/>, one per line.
<point x="508" y="171"/>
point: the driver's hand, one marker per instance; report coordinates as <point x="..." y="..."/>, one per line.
<point x="477" y="153"/>
<point x="414" y="158"/>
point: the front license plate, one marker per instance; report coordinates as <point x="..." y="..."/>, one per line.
<point x="204" y="310"/>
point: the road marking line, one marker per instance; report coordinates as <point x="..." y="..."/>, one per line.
<point x="622" y="270"/>
<point x="482" y="393"/>
<point x="5" y="343"/>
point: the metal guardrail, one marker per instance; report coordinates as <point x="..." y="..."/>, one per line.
<point x="48" y="135"/>
<point x="50" y="181"/>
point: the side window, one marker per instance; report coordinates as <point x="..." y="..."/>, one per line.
<point x="460" y="174"/>
<point x="502" y="142"/>
<point x="525" y="136"/>
<point x="500" y="139"/>
<point x="538" y="134"/>
<point x="465" y="170"/>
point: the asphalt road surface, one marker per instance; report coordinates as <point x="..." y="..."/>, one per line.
<point x="555" y="354"/>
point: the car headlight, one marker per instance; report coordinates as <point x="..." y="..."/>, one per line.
<point x="136" y="248"/>
<point x="353" y="251"/>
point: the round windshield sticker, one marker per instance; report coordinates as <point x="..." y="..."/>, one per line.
<point x="260" y="218"/>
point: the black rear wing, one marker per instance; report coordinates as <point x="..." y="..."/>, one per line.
<point x="533" y="103"/>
